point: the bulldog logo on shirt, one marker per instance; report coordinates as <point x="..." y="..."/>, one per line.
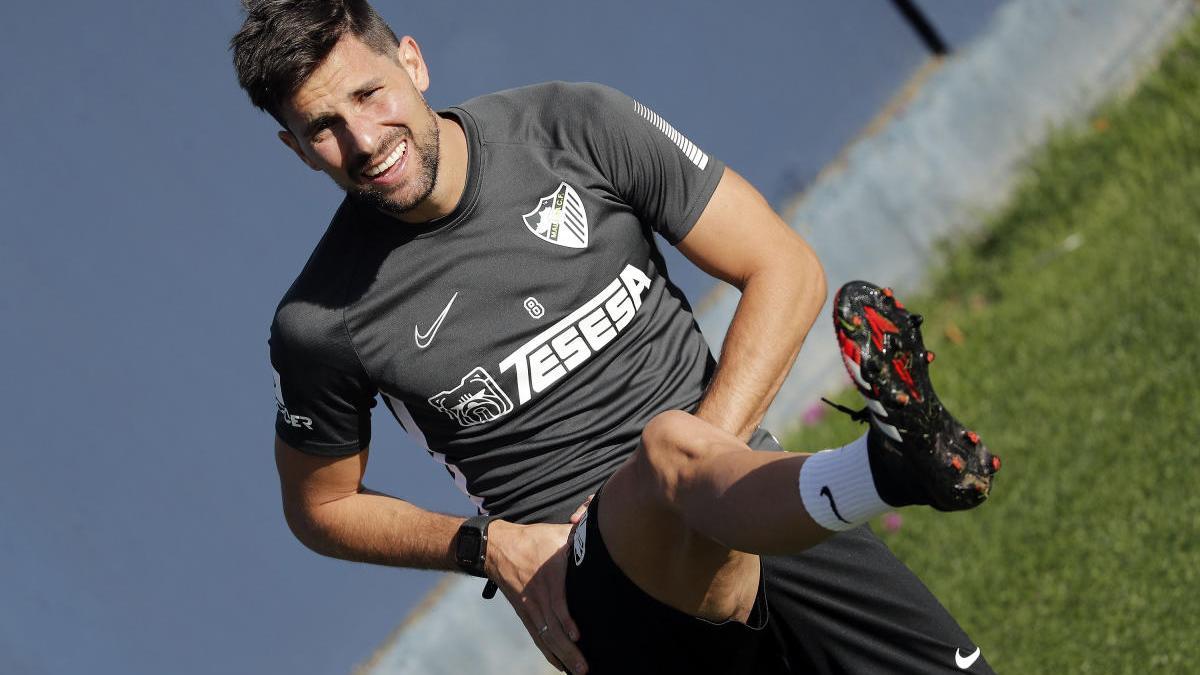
<point x="559" y="218"/>
<point x="476" y="400"/>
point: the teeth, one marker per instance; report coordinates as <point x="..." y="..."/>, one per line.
<point x="387" y="163"/>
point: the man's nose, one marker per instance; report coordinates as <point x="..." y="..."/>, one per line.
<point x="363" y="135"/>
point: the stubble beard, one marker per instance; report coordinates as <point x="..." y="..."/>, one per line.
<point x="426" y="146"/>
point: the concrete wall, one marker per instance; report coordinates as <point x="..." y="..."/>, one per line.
<point x="455" y="632"/>
<point x="937" y="165"/>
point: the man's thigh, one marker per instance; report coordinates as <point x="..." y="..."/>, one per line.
<point x="625" y="631"/>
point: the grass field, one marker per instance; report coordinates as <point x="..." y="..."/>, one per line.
<point x="1068" y="334"/>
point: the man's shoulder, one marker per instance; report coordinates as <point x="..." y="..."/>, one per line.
<point x="527" y="113"/>
<point x="313" y="305"/>
<point x="543" y="94"/>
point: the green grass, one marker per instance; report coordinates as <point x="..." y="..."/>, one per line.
<point x="1078" y="359"/>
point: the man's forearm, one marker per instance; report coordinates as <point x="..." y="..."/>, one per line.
<point x="778" y="307"/>
<point x="372" y="527"/>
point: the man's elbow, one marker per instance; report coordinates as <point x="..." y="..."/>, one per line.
<point x="812" y="271"/>
<point x="306" y="524"/>
<point x="799" y="263"/>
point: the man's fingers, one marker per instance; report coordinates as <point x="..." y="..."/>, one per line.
<point x="532" y="571"/>
<point x="525" y="613"/>
<point x="564" y="619"/>
<point x="562" y="632"/>
<point x="581" y="510"/>
<point x="549" y="636"/>
<point x="549" y="656"/>
<point x="554" y="637"/>
<point x="558" y="596"/>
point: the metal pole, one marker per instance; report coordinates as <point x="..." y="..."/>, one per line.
<point x="926" y="30"/>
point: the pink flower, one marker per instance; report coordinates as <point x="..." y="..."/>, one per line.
<point x="892" y="521"/>
<point x="814" y="414"/>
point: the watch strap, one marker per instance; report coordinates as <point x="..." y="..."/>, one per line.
<point x="472" y="561"/>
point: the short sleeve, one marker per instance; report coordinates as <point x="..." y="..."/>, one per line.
<point x="323" y="396"/>
<point x="663" y="176"/>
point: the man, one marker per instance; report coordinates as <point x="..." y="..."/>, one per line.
<point x="513" y="234"/>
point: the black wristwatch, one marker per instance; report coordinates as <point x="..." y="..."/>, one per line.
<point x="470" y="546"/>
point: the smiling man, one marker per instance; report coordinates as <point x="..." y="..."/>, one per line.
<point x="588" y="376"/>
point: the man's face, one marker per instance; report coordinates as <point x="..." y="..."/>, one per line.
<point x="361" y="118"/>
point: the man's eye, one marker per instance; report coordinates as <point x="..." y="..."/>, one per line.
<point x="371" y="93"/>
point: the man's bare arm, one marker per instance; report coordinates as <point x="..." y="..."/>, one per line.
<point x="332" y="513"/>
<point x="740" y="240"/>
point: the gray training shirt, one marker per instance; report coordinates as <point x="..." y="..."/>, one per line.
<point x="526" y="338"/>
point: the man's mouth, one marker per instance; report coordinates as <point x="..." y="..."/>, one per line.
<point x="376" y="170"/>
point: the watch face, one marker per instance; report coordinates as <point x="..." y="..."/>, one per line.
<point x="468" y="546"/>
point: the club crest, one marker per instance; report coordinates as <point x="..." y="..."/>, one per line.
<point x="559" y="218"/>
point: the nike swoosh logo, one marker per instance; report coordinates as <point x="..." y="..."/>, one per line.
<point x="965" y="662"/>
<point x="423" y="340"/>
<point x="826" y="493"/>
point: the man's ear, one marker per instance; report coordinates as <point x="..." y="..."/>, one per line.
<point x="409" y="54"/>
<point x="290" y="141"/>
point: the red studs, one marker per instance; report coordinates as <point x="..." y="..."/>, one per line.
<point x="887" y="292"/>
<point x="929" y="357"/>
<point x="857" y="321"/>
<point x="957" y="462"/>
<point x="902" y="398"/>
<point x="995" y="463"/>
<point x="973" y="437"/>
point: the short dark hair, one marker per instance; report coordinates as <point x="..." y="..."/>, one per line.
<point x="282" y="42"/>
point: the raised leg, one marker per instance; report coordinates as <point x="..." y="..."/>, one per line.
<point x="685" y="517"/>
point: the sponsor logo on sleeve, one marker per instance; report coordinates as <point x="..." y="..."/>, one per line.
<point x="476" y="400"/>
<point x="297" y="421"/>
<point x="560" y="218"/>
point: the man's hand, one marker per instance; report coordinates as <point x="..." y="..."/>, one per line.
<point x="529" y="565"/>
<point x="582" y="509"/>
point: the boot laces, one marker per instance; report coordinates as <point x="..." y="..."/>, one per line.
<point x="861" y="416"/>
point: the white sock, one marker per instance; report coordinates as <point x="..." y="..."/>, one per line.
<point x="837" y="488"/>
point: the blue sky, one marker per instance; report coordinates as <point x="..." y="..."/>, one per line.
<point x="150" y="223"/>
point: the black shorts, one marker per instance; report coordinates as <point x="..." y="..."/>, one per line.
<point x="624" y="631"/>
<point x="846" y="605"/>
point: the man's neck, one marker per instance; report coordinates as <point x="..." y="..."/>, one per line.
<point x="451" y="179"/>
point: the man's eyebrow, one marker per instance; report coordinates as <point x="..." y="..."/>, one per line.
<point x="368" y="87"/>
<point x="319" y="122"/>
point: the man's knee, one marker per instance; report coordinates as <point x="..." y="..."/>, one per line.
<point x="668" y="451"/>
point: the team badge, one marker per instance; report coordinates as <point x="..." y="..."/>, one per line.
<point x="559" y="218"/>
<point x="476" y="400"/>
